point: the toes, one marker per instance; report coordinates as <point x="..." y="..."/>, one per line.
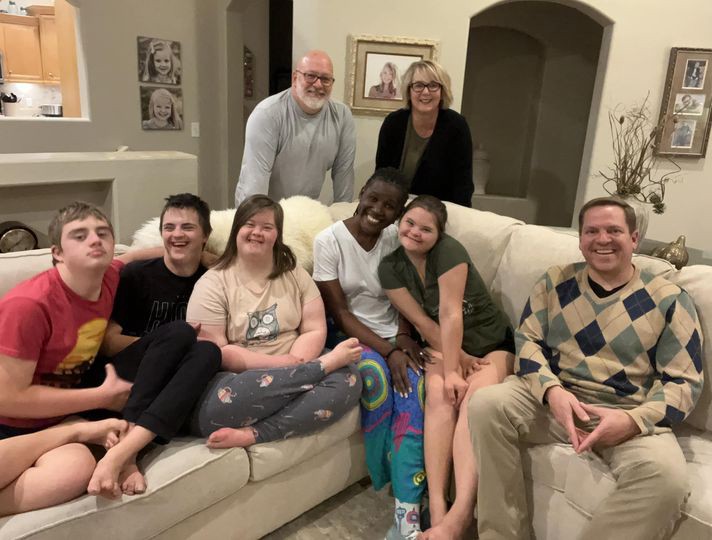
<point x="111" y="439"/>
<point x="215" y="443"/>
<point x="134" y="485"/>
<point x="94" y="487"/>
<point x="218" y="442"/>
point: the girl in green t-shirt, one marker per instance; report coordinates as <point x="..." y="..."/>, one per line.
<point x="432" y="282"/>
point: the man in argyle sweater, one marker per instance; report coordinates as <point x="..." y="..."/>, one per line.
<point x="608" y="358"/>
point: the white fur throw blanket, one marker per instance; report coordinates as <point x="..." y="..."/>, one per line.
<point x="304" y="218"/>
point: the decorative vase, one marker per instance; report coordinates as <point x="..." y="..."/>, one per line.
<point x="642" y="215"/>
<point x="674" y="252"/>
<point x="480" y="169"/>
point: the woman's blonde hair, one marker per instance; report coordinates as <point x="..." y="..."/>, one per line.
<point x="437" y="74"/>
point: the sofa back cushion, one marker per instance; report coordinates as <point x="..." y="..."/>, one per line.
<point x="484" y="234"/>
<point x="21" y="265"/>
<point x="532" y="249"/>
<point x="697" y="281"/>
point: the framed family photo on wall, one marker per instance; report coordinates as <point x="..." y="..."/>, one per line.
<point x="159" y="60"/>
<point x="685" y="109"/>
<point x="161" y="108"/>
<point x="376" y="67"/>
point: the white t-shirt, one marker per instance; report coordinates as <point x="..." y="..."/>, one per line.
<point x="337" y="255"/>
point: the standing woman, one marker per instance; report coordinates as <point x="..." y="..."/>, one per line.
<point x="346" y="259"/>
<point x="431" y="280"/>
<point x="266" y="315"/>
<point x="427" y="141"/>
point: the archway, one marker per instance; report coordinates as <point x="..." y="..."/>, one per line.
<point x="528" y="94"/>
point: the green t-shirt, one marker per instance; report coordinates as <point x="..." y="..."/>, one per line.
<point x="484" y="324"/>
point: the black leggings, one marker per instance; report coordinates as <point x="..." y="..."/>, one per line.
<point x="169" y="369"/>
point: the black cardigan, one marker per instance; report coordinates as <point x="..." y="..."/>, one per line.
<point x="445" y="170"/>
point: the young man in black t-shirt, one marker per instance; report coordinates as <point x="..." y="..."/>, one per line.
<point x="150" y="343"/>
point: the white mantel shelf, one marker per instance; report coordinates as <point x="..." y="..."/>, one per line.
<point x="130" y="186"/>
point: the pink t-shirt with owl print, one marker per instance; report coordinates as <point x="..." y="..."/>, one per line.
<point x="263" y="319"/>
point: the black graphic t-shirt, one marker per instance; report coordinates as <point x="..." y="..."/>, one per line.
<point x="150" y="295"/>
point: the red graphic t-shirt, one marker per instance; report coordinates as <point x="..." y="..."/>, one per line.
<point x="42" y="320"/>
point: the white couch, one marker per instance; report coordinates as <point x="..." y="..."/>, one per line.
<point x="198" y="493"/>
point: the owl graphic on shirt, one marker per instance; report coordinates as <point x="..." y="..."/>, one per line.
<point x="262" y="325"/>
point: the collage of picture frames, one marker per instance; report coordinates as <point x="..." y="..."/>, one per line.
<point x="159" y="74"/>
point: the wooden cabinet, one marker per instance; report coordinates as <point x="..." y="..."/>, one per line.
<point x="48" y="48"/>
<point x="29" y="46"/>
<point x="23" y="57"/>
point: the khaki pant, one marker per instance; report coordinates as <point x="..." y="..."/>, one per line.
<point x="650" y="471"/>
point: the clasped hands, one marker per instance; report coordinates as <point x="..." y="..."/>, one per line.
<point x="615" y="425"/>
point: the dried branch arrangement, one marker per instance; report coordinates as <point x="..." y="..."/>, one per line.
<point x="634" y="172"/>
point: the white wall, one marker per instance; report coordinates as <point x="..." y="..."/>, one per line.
<point x="641" y="36"/>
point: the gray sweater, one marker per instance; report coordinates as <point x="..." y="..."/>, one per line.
<point x="287" y="152"/>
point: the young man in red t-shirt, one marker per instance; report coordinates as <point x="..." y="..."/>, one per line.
<point x="51" y="327"/>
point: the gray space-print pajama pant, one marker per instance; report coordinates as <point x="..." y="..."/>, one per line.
<point x="277" y="403"/>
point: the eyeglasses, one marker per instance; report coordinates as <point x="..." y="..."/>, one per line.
<point x="432" y="86"/>
<point x="311" y="78"/>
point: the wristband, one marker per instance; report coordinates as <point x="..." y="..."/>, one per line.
<point x="394" y="349"/>
<point x="403" y="334"/>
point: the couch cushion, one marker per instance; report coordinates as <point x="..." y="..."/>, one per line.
<point x="184" y="477"/>
<point x="587" y="480"/>
<point x="21" y="265"/>
<point x="271" y="458"/>
<point x="531" y="251"/>
<point x="485" y="236"/>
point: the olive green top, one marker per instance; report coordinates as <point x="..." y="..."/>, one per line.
<point x="413" y="149"/>
<point x="485" y="326"/>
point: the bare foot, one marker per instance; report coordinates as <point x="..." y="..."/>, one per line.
<point x="231" y="438"/>
<point x="450" y="528"/>
<point x="105" y="479"/>
<point x="131" y="480"/>
<point x="441" y="532"/>
<point x="104" y="433"/>
<point x="345" y="353"/>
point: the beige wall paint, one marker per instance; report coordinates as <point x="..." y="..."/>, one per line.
<point x="640" y="39"/>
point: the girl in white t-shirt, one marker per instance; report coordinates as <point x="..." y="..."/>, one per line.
<point x="267" y="317"/>
<point x="346" y="259"/>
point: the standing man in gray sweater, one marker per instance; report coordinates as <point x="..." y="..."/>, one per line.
<point x="294" y="137"/>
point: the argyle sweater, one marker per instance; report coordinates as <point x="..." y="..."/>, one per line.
<point x="639" y="349"/>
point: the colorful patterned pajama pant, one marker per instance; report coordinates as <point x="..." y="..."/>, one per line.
<point x="277" y="403"/>
<point x="393" y="429"/>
